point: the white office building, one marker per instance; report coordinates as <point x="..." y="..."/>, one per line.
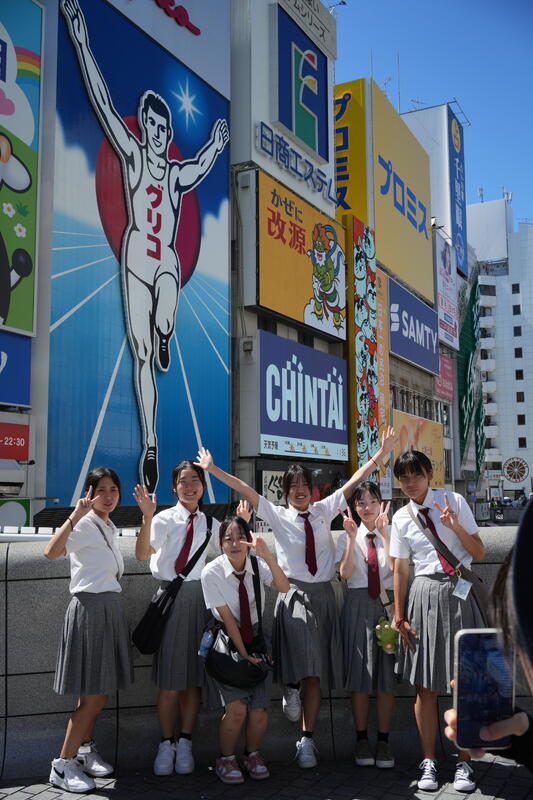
<point x="506" y="298"/>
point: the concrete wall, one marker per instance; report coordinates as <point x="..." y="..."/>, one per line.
<point x="34" y="595"/>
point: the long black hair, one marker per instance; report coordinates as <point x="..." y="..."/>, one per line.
<point x="95" y="476"/>
<point x="502" y="606"/>
<point x="366" y="486"/>
<point x="177" y="469"/>
<point x="293" y="471"/>
<point x="243" y="526"/>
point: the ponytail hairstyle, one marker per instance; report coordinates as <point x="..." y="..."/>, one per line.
<point x="177" y="469"/>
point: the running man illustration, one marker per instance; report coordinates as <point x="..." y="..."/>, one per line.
<point x="154" y="186"/>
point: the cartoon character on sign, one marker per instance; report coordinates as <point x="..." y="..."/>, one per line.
<point x="365" y="319"/>
<point x="13" y="269"/>
<point x="155" y="184"/>
<point x="327" y="260"/>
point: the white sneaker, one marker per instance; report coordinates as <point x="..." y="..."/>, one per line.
<point x="292" y="704"/>
<point x="428" y="779"/>
<point x="92" y="762"/>
<point x="463" y="781"/>
<point x="305" y="753"/>
<point x="67" y="774"/>
<point x="184" y="758"/>
<point x="164" y="760"/>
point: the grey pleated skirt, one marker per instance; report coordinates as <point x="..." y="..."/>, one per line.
<point x="306" y="635"/>
<point x="95" y="653"/>
<point x="367" y="668"/>
<point x="176" y="664"/>
<point x="436" y="615"/>
<point x="217" y="695"/>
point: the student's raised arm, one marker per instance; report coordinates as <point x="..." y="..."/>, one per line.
<point x="56" y="547"/>
<point x="205" y="461"/>
<point x="280" y="582"/>
<point x="346" y="566"/>
<point x="387" y="446"/>
<point x="148" y="504"/>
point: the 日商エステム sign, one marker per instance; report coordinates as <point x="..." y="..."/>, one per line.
<point x="302" y="86"/>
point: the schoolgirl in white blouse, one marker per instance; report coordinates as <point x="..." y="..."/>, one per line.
<point x="94" y="658"/>
<point x="430" y="612"/>
<point x="222" y="580"/>
<point x="366" y="565"/>
<point x="306" y="637"/>
<point x="170" y="539"/>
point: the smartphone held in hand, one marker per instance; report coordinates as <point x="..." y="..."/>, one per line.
<point x="484" y="686"/>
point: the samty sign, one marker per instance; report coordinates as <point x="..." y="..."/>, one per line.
<point x="413" y="329"/>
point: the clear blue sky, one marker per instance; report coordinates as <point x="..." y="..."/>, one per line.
<point x="479" y="51"/>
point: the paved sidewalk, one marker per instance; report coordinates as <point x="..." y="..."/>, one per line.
<point x="330" y="780"/>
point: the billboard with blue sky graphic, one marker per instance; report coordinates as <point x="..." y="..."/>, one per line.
<point x="140" y="326"/>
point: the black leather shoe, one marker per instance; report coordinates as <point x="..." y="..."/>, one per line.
<point x="149" y="469"/>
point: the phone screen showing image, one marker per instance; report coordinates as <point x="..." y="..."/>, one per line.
<point x="484" y="689"/>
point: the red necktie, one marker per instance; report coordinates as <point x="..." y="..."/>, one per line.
<point x="310" y="552"/>
<point x="183" y="557"/>
<point x="446" y="566"/>
<point x="374" y="588"/>
<point x="247" y="632"/>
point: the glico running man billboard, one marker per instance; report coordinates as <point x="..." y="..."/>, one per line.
<point x="139" y="352"/>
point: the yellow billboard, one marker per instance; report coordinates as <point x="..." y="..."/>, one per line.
<point x="402" y="216"/>
<point x="302" y="269"/>
<point x="424" y="435"/>
<point x="351" y="150"/>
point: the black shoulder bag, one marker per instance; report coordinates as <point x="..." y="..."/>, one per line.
<point x="148" y="634"/>
<point x="223" y="661"/>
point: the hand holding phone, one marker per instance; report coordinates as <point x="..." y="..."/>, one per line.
<point x="483" y="690"/>
<point x="517" y="725"/>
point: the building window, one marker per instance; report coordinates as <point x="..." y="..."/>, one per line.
<point x="484" y="354"/>
<point x="516" y="310"/>
<point x="515" y="288"/>
<point x="519" y="374"/>
<point x="518" y="352"/>
<point x="489" y="291"/>
<point x="520" y="397"/>
<point x="517" y="330"/>
<point x="522" y="441"/>
<point x="306" y="338"/>
<point x="520" y="419"/>
<point x="485" y="311"/>
<point x="266" y="323"/>
<point x="448" y="466"/>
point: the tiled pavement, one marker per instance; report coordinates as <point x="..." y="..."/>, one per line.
<point x="330" y="780"/>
